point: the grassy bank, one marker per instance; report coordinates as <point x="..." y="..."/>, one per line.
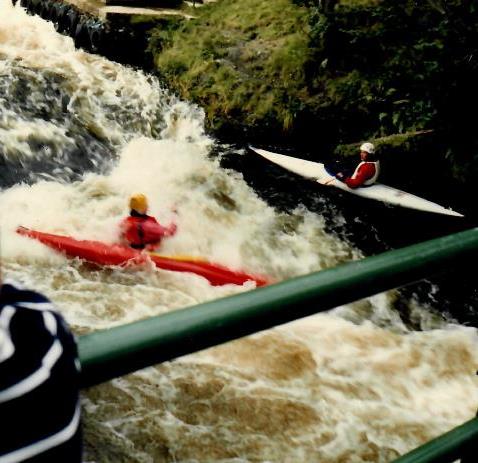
<point x="242" y="61"/>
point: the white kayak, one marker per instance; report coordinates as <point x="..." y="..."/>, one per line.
<point x="316" y="171"/>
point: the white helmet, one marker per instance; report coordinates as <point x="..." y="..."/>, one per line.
<point x="368" y="148"/>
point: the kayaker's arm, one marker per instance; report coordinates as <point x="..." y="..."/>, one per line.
<point x="170" y="230"/>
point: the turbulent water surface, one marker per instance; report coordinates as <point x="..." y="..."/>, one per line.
<point x="78" y="135"/>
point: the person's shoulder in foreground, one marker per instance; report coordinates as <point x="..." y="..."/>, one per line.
<point x="39" y="377"/>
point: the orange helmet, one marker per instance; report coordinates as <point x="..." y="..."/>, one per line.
<point x="139" y="203"/>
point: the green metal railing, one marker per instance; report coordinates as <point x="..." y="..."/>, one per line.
<point x="448" y="447"/>
<point x="110" y="353"/>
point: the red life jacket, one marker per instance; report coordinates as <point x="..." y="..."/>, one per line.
<point x="365" y="174"/>
<point x="144" y="230"/>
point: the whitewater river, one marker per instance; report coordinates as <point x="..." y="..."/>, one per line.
<point x="78" y="135"/>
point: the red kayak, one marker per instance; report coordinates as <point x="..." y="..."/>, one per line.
<point x="116" y="254"/>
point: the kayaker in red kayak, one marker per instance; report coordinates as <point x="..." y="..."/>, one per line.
<point x="142" y="231"/>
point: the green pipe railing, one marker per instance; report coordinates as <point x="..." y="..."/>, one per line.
<point x="124" y="349"/>
<point x="448" y="447"/>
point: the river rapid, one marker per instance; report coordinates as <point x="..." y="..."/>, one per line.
<point x="78" y="135"/>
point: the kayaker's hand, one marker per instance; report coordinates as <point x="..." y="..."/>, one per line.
<point x="340" y="175"/>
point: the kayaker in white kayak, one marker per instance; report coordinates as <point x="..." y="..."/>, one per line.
<point x="366" y="172"/>
<point x="142" y="231"/>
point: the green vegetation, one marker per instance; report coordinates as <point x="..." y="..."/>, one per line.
<point x="330" y="73"/>
<point x="244" y="62"/>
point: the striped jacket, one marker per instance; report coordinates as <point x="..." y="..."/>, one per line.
<point x="39" y="372"/>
